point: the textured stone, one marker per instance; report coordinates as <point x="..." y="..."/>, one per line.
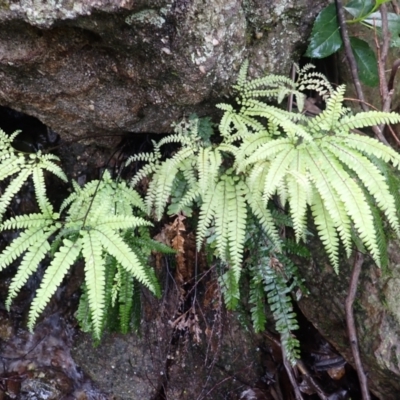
<point x="105" y="68"/>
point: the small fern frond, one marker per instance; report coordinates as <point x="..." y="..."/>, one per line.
<point x="370" y="118"/>
<point x="46" y="163"/>
<point x="326" y="230"/>
<point x="22" y="243"/>
<point x="277" y="290"/>
<point x="26" y="221"/>
<point x="14" y="186"/>
<point x="29" y="264"/>
<point x="207" y="211"/>
<point x="230" y="289"/>
<point x="94" y="277"/>
<point x="40" y="192"/>
<point x="55" y="272"/>
<point x="373" y="180"/>
<point x="115" y="246"/>
<point x="264" y="217"/>
<point x="125" y="300"/>
<point x="256" y="298"/>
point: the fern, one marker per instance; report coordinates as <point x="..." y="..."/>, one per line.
<point x="100" y="218"/>
<point x="273" y="277"/>
<point x="21" y="166"/>
<point x="314" y="162"/>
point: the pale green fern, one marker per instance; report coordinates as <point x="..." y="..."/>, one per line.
<point x="101" y="223"/>
<point x="203" y="170"/>
<point x="315" y="163"/>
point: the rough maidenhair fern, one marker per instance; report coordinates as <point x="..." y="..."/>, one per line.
<point x="273" y="277"/>
<point x="103" y="226"/>
<point x="317" y="163"/>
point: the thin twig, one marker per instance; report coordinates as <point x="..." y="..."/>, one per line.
<point x="301" y="367"/>
<point x="353" y="66"/>
<point x="292" y="378"/>
<point x="351" y="327"/>
<point x="395" y="7"/>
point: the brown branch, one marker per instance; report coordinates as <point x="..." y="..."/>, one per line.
<point x="300" y="366"/>
<point x="351" y="327"/>
<point x="353" y="66"/>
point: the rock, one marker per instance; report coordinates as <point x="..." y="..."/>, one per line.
<point x="376" y="311"/>
<point x="102" y="67"/>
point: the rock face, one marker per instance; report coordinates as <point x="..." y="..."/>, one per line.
<point x="376" y="311"/>
<point x="106" y="67"/>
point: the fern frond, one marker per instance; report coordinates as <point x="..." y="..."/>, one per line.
<point x="22" y="243"/>
<point x="94" y="277"/>
<point x="26" y="221"/>
<point x="269" y="150"/>
<point x="46" y="163"/>
<point x="207" y="211"/>
<point x="326" y="230"/>
<point x="332" y="202"/>
<point x="222" y="218"/>
<point x="277" y="170"/>
<point x="371" y="177"/>
<point x="237" y="212"/>
<point x="299" y="190"/>
<point x="230" y="289"/>
<point x="115" y="246"/>
<point x="55" y="272"/>
<point x="29" y="264"/>
<point x="355" y="203"/>
<point x="40" y="192"/>
<point x="14" y="186"/>
<point x="123" y="222"/>
<point x="264" y="217"/>
<point x="373" y="147"/>
<point x="370" y="118"/>
<point x="329" y="118"/>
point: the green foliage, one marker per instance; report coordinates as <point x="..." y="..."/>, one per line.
<point x="104" y="226"/>
<point x="310" y="166"/>
<point x="273" y="277"/>
<point x="325" y="37"/>
<point x="264" y="157"/>
<point x="316" y="163"/>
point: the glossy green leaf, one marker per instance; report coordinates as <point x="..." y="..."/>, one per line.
<point x="374" y="20"/>
<point x="366" y="62"/>
<point x="325" y="36"/>
<point x="360" y="8"/>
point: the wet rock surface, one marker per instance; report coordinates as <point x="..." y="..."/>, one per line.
<point x="101" y="68"/>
